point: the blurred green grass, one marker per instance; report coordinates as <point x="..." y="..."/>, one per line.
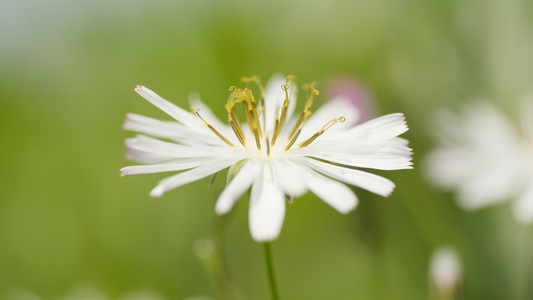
<point x="67" y="73"/>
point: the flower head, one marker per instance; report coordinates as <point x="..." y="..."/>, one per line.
<point x="445" y="272"/>
<point x="269" y="148"/>
<point x="485" y="157"/>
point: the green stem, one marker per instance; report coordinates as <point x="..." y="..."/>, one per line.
<point x="270" y="270"/>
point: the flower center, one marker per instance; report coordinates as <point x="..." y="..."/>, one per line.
<point x="256" y="118"/>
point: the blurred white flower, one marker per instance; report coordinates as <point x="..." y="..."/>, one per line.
<point x="275" y="153"/>
<point x="486" y="157"/>
<point x="445" y="271"/>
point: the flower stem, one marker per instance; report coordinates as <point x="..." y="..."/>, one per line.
<point x="270" y="270"/>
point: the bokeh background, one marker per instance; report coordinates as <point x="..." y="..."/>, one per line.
<point x="67" y="73"/>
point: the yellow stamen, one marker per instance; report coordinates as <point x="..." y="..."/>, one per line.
<point x="321" y="131"/>
<point x="281" y="120"/>
<point x="234" y="119"/>
<point x="213" y="129"/>
<point x="257" y="80"/>
<point x="305" y="113"/>
<point x="296" y="135"/>
<point x="250" y="111"/>
<point x="268" y="147"/>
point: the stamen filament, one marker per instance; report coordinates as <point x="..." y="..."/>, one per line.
<point x="279" y="122"/>
<point x="234" y="119"/>
<point x="293" y="139"/>
<point x="277" y="127"/>
<point x="257" y="80"/>
<point x="305" y="113"/>
<point x="213" y="129"/>
<point x="268" y="147"/>
<point x="321" y="131"/>
<point x="251" y="116"/>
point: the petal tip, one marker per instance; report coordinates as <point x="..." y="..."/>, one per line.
<point x="349" y="208"/>
<point x="221" y="210"/>
<point x="157" y="192"/>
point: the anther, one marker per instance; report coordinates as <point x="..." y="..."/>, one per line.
<point x="291" y="78"/>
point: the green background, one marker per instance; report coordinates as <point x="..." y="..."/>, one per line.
<point x="67" y="73"/>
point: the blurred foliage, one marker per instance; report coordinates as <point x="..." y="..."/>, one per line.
<point x="67" y="73"/>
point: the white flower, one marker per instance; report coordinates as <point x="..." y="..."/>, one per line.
<point x="275" y="153"/>
<point x="445" y="271"/>
<point x="485" y="157"/>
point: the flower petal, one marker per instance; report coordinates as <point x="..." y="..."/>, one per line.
<point x="171" y="109"/>
<point x="154" y="127"/>
<point x="332" y="109"/>
<point x="274" y="98"/>
<point x="382" y="160"/>
<point x="151" y="145"/>
<point x="368" y="181"/>
<point x="180" y="179"/>
<point x="166" y="167"/>
<point x="234" y="190"/>
<point x="382" y="157"/>
<point x="212" y="119"/>
<point x="146" y="157"/>
<point x="378" y="129"/>
<point x="267" y="207"/>
<point x="290" y="177"/>
<point x="332" y="192"/>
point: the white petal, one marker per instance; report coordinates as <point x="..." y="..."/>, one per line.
<point x="485" y="187"/>
<point x="332" y="192"/>
<point x="146" y="157"/>
<point x="151" y="145"/>
<point x="388" y="157"/>
<point x="171" y="109"/>
<point x="480" y="181"/>
<point x="267" y="208"/>
<point x="166" y="167"/>
<point x="240" y="183"/>
<point x="274" y="98"/>
<point x="368" y="181"/>
<point x="212" y="119"/>
<point x="379" y="129"/>
<point x="183" y="178"/>
<point x="523" y="207"/>
<point x="290" y="177"/>
<point x="486" y="125"/>
<point x="154" y="127"/>
<point x="447" y="168"/>
<point x="332" y="109"/>
<point x="482" y="128"/>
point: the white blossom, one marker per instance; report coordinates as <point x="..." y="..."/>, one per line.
<point x="486" y="157"/>
<point x="274" y="151"/>
<point x="445" y="271"/>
